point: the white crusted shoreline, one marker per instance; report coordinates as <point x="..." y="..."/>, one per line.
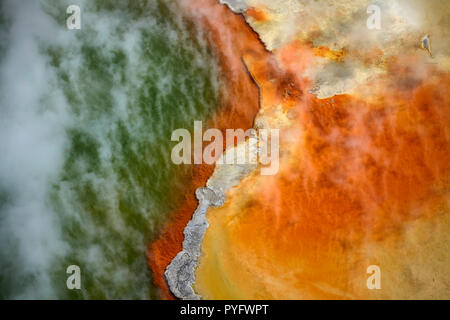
<point x="180" y="272"/>
<point x="237" y="6"/>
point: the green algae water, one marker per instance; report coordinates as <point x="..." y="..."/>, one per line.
<point x="86" y="118"/>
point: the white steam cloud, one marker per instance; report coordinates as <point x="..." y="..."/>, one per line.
<point x="32" y="141"/>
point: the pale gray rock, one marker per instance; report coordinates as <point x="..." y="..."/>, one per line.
<point x="180" y="272"/>
<point x="238" y="6"/>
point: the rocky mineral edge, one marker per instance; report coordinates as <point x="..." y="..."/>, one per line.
<point x="180" y="272"/>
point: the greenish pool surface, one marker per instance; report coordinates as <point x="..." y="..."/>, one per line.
<point x="86" y="118"/>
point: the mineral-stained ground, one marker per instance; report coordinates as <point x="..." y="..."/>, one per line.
<point x="364" y="173"/>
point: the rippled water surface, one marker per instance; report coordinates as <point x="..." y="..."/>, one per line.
<point x="85" y="124"/>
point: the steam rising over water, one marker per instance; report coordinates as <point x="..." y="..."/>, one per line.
<point x="85" y="124"/>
